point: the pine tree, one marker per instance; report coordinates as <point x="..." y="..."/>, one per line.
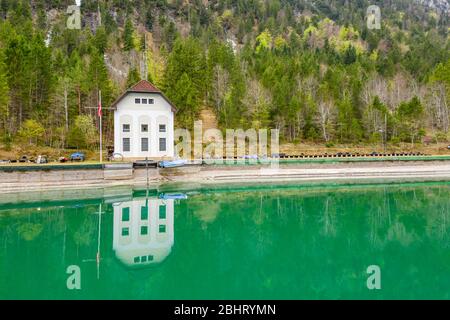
<point x="185" y="97"/>
<point x="99" y="80"/>
<point x="149" y="20"/>
<point x="41" y="79"/>
<point x="133" y="77"/>
<point x="128" y="36"/>
<point x="4" y="92"/>
<point x="101" y="39"/>
<point x="18" y="71"/>
<point x="410" y="116"/>
<point x="349" y="55"/>
<point x="186" y="66"/>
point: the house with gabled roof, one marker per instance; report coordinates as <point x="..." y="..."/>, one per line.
<point x="144" y="123"/>
<point x="143" y="231"/>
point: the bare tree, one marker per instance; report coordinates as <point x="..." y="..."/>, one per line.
<point x="325" y="118"/>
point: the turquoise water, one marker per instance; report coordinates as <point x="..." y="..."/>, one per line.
<point x="267" y="243"/>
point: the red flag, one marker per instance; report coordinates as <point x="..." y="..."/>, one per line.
<point x="99" y="108"/>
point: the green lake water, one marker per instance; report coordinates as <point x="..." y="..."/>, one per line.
<point x="285" y="242"/>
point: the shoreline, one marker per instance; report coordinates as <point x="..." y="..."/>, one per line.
<point x="209" y="175"/>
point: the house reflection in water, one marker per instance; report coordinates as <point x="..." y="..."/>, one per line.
<point x="143" y="231"/>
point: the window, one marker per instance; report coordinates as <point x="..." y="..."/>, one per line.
<point x="151" y="101"/>
<point x="162" y="144"/>
<point x="126" y="128"/>
<point x="144" y="101"/>
<point x="125" y="214"/>
<point x="126" y="145"/>
<point x="137" y="101"/>
<point x="162" y="128"/>
<point x="125" y="232"/>
<point x="144" y="259"/>
<point x="137" y="259"/>
<point x="150" y="258"/>
<point x="144" y="213"/>
<point x="144" y="144"/>
<point x="144" y="230"/>
<point x="144" y="127"/>
<point x="162" y="228"/>
<point x="162" y="212"/>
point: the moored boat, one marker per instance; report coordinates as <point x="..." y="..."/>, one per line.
<point x="173" y="196"/>
<point x="172" y="164"/>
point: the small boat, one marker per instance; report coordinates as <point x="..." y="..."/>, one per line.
<point x="172" y="164"/>
<point x="173" y="196"/>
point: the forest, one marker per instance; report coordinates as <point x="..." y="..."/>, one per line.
<point x="312" y="69"/>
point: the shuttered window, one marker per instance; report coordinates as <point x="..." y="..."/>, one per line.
<point x="162" y="144"/>
<point x="126" y="145"/>
<point x="144" y="144"/>
<point x="162" y="212"/>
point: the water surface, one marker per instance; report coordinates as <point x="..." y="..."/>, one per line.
<point x="240" y="243"/>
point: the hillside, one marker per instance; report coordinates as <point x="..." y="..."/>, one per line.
<point x="309" y="68"/>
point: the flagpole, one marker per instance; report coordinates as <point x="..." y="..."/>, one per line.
<point x="100" y="115"/>
<point x="98" y="240"/>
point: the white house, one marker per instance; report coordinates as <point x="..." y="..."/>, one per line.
<point x="143" y="231"/>
<point x="144" y="123"/>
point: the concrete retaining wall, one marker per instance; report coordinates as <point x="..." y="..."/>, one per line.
<point x="51" y="176"/>
<point x="190" y="175"/>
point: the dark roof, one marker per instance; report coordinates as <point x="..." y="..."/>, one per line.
<point x="143" y="86"/>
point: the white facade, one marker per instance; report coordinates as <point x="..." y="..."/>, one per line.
<point x="144" y="129"/>
<point x="143" y="231"/>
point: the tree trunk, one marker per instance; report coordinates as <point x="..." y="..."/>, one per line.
<point x="79" y="99"/>
<point x="66" y="108"/>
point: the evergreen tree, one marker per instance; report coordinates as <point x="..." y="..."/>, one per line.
<point x="128" y="35"/>
<point x="101" y="39"/>
<point x="410" y="118"/>
<point x="349" y="55"/>
<point x="185" y="97"/>
<point x="4" y="92"/>
<point x="133" y="77"/>
<point x="99" y="80"/>
<point x="186" y="65"/>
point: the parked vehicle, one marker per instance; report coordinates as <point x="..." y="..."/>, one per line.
<point x="63" y="159"/>
<point x="116" y="157"/>
<point x="5" y="161"/>
<point x="448" y="147"/>
<point x="77" y="156"/>
<point x="41" y="159"/>
<point x="23" y="159"/>
<point x="278" y="155"/>
<point x="250" y="156"/>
